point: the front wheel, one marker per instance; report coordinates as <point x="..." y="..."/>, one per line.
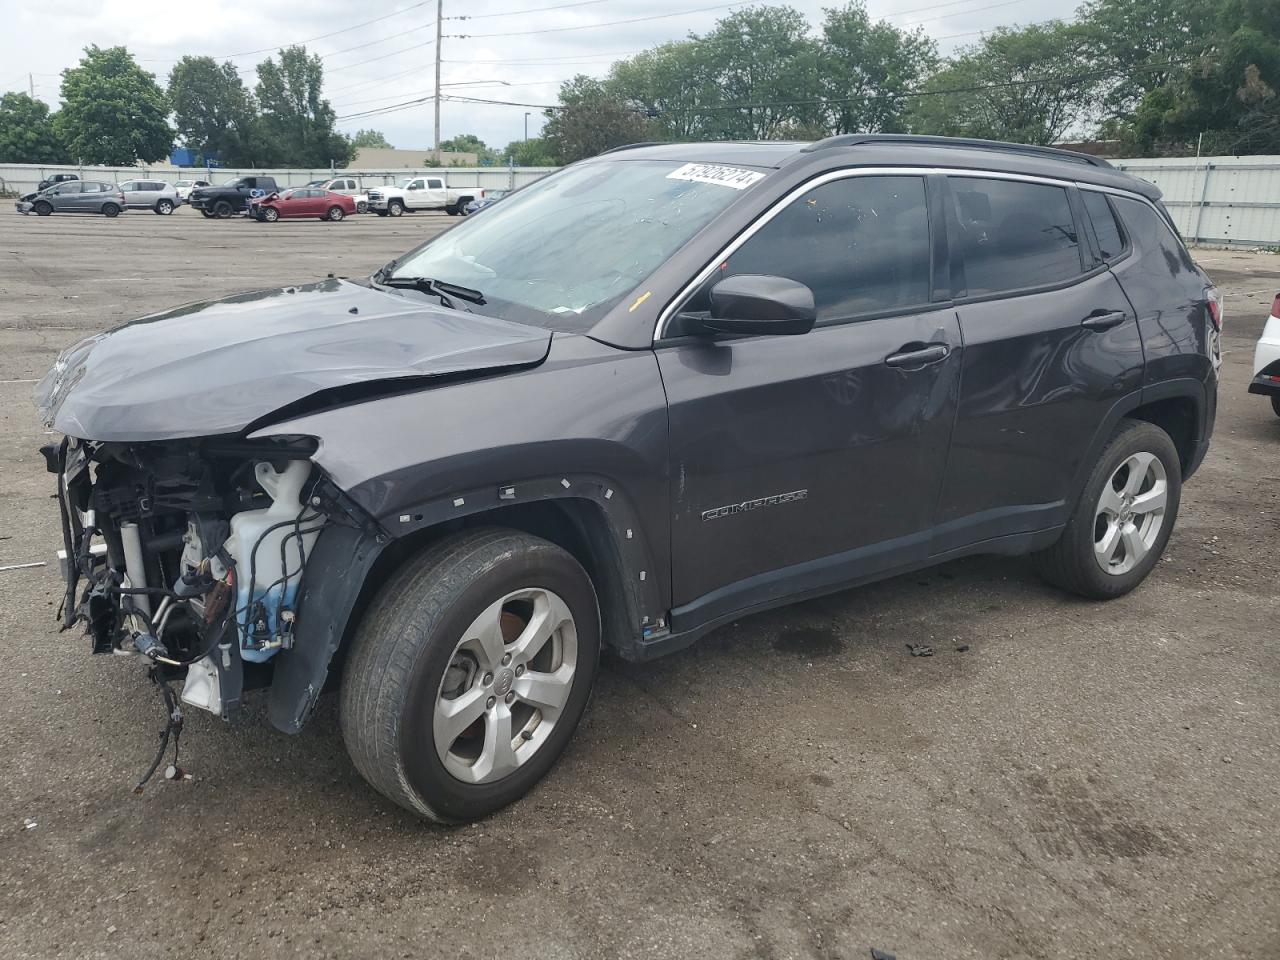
<point x="1275" y="404"/>
<point x="335" y="214"/>
<point x="270" y="214"/>
<point x="1123" y="519"/>
<point x="470" y="672"/>
<point x="110" y="210"/>
<point x="42" y="208"/>
<point x="164" y="207"/>
<point x="207" y="214"/>
<point x="223" y="210"/>
<point x="395" y="208"/>
<point x="362" y="207"/>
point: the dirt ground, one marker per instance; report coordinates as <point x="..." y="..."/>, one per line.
<point x="1086" y="780"/>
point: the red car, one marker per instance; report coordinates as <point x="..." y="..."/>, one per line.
<point x="303" y="202"/>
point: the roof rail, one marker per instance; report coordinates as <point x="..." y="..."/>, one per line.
<point x="1051" y="153"/>
<point x="634" y="146"/>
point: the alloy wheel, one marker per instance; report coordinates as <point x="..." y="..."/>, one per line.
<point x="506" y="685"/>
<point x="1130" y="513"/>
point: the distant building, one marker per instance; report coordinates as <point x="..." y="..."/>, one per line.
<point x="381" y="158"/>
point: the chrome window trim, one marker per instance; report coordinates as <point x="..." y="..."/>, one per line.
<point x="848" y="173"/>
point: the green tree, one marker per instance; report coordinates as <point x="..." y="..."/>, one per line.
<point x="766" y="68"/>
<point x="113" y="111"/>
<point x="295" y="123"/>
<point x="212" y="109"/>
<point x="1142" y="45"/>
<point x="1029" y="85"/>
<point x="470" y="143"/>
<point x="673" y="82"/>
<point x="1228" y="94"/>
<point x="27" y="133"/>
<point x="370" y="138"/>
<point x="866" y="68"/>
<point x="590" y="121"/>
<point x="533" y="152"/>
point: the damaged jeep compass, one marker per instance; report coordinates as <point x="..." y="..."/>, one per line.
<point x="641" y="397"/>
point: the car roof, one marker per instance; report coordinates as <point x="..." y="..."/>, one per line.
<point x="897" y="150"/>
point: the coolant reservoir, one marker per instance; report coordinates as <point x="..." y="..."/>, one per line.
<point x="270" y="548"/>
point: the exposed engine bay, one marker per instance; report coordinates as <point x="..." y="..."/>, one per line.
<point x="190" y="553"/>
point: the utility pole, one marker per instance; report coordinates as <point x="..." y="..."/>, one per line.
<point x="31" y="84"/>
<point x="526" y="126"/>
<point x="439" y="37"/>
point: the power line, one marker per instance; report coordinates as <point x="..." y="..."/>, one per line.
<point x="958" y="13"/>
<point x="609" y="23"/>
<point x="275" y="47"/>
<point x="385" y="56"/>
<point x="516" y="13"/>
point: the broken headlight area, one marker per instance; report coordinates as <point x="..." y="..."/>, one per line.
<point x="190" y="553"/>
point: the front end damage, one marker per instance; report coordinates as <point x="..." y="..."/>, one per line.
<point x="192" y="554"/>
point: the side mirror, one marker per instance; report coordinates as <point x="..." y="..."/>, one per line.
<point x="762" y="305"/>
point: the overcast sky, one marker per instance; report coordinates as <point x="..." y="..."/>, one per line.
<point x="394" y="57"/>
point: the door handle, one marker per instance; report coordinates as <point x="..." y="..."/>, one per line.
<point x="1102" y="320"/>
<point x="918" y="356"/>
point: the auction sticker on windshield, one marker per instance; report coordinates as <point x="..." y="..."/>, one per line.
<point x="734" y="177"/>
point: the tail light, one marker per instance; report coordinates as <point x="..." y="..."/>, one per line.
<point x="1215" y="307"/>
<point x="1275" y="306"/>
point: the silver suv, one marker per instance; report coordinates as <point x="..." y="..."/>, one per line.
<point x="154" y="195"/>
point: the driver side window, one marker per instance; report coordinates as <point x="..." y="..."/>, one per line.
<point x="861" y="244"/>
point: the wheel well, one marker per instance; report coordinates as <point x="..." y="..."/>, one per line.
<point x="1176" y="416"/>
<point x="574" y="524"/>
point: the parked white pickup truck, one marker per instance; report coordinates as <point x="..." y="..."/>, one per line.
<point x="347" y="186"/>
<point x="421" y="193"/>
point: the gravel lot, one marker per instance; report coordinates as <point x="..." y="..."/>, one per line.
<point x="1085" y="781"/>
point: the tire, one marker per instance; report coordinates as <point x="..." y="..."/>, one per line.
<point x="223" y="210"/>
<point x="1073" y="563"/>
<point x="270" y="214"/>
<point x="164" y="207"/>
<point x="395" y="208"/>
<point x="409" y="645"/>
<point x="381" y="213"/>
<point x="335" y="214"/>
<point x="110" y="210"/>
<point x="452" y="210"/>
<point x="207" y="214"/>
<point x="362" y="207"/>
<point x="1275" y="404"/>
<point x="42" y="208"/>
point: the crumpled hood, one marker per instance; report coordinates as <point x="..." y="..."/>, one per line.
<point x="217" y="366"/>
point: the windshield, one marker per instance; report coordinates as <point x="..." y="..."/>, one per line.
<point x="563" y="251"/>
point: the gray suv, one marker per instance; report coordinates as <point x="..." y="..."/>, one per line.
<point x="654" y="392"/>
<point x="75" y="196"/>
<point x="156" y="195"/>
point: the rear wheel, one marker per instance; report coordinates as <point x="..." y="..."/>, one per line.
<point x="1123" y="519"/>
<point x="164" y="207"/>
<point x="470" y="672"/>
<point x="222" y="210"/>
<point x="335" y="213"/>
<point x="42" y="208"/>
<point x="395" y="208"/>
<point x="110" y="210"/>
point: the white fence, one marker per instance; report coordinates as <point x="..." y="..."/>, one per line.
<point x="1227" y="201"/>
<point x="23" y="178"/>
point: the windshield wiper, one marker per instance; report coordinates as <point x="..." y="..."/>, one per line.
<point x="438" y="288"/>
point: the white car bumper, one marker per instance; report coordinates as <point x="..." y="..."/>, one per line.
<point x="1266" y="360"/>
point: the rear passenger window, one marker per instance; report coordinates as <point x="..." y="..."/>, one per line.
<point x="860" y="244"/>
<point x="1014" y="235"/>
<point x="1110" y="241"/>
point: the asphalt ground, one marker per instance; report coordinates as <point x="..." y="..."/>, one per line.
<point x="1085" y="780"/>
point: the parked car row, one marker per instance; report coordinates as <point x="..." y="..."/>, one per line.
<point x="259" y="197"/>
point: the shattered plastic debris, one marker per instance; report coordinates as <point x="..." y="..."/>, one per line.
<point x="881" y="955"/>
<point x="920" y="649"/>
<point x="28" y="823"/>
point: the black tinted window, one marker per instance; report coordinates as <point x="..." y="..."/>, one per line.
<point x="1014" y="234"/>
<point x="861" y="245"/>
<point x="1110" y="241"/>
